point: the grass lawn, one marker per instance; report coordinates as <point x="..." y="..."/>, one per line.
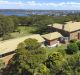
<point x="24" y="31"/>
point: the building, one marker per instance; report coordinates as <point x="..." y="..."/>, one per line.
<point x="70" y="30"/>
<point x="52" y="39"/>
<point x="8" y="47"/>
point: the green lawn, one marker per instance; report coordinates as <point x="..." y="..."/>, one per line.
<point x="24" y="31"/>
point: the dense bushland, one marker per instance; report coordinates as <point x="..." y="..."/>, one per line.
<point x="10" y="24"/>
<point x="34" y="60"/>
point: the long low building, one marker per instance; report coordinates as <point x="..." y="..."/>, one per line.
<point x="9" y="46"/>
<point x="71" y="30"/>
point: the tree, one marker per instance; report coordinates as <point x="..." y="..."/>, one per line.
<point x="55" y="62"/>
<point x="32" y="44"/>
<point x="18" y="65"/>
<point x="72" y="48"/>
<point x="21" y="46"/>
<point x="78" y="43"/>
<point x="6" y="37"/>
<point x="73" y="41"/>
<point x="73" y="63"/>
<point x="41" y="70"/>
<point x="42" y="22"/>
<point x="27" y="61"/>
<point x="6" y="25"/>
<point x="2" y="66"/>
<point x="15" y="19"/>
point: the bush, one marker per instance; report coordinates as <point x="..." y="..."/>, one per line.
<point x="6" y="37"/>
<point x="21" y="46"/>
<point x="62" y="51"/>
<point x="78" y="43"/>
<point x="72" y="48"/>
<point x="55" y="56"/>
<point x="2" y="66"/>
<point x="32" y="44"/>
<point x="41" y="70"/>
<point x="73" y="41"/>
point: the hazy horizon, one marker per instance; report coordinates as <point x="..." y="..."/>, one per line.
<point x="45" y="9"/>
<point x="40" y="4"/>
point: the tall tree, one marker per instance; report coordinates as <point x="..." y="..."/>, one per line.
<point x="6" y="25"/>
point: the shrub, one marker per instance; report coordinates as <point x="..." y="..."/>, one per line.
<point x="55" y="56"/>
<point x="6" y="37"/>
<point x="41" y="70"/>
<point x="73" y="41"/>
<point x="72" y="48"/>
<point x="21" y="46"/>
<point x="78" y="43"/>
<point x="32" y="44"/>
<point x="55" y="62"/>
<point x="62" y="51"/>
<point x="2" y="66"/>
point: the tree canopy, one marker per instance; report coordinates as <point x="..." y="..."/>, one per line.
<point x="6" y="25"/>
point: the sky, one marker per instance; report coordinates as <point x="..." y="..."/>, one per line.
<point x="41" y="4"/>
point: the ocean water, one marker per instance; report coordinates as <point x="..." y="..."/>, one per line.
<point x="14" y="13"/>
<point x="24" y="13"/>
